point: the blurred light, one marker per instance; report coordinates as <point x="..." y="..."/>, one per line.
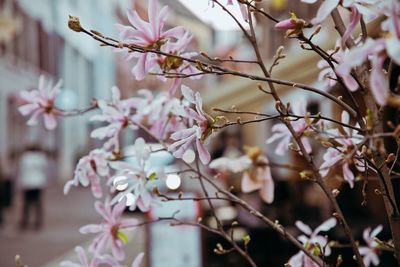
<point x="66" y="100"/>
<point x="215" y="16"/>
<point x="226" y="213"/>
<point x="189" y="156"/>
<point x="173" y="181"/>
<point x="120" y="183"/>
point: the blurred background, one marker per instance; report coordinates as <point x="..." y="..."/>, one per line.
<point x="35" y="40"/>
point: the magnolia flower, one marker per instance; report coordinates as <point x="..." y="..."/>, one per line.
<point x="41" y="101"/>
<point x="110" y="231"/>
<point x="174" y="65"/>
<point x="256" y="172"/>
<point x="89" y="170"/>
<point x="313" y="242"/>
<point x="339" y="155"/>
<point x="117" y="115"/>
<point x="94" y="262"/>
<point x="149" y="35"/>
<point x="282" y="132"/>
<point x="198" y="133"/>
<point x="328" y="76"/>
<point x="243" y="9"/>
<point x="134" y="177"/>
<point x="370" y="252"/>
<point x="357" y="8"/>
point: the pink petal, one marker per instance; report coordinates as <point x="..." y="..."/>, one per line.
<point x="286" y="24"/>
<point x="326" y="226"/>
<point x="268" y="187"/>
<point x="303" y="227"/>
<point x="138" y="260"/>
<point x="324" y="10"/>
<point x="348" y="175"/>
<point x="378" y="81"/>
<point x="204" y="155"/>
<point x="355" y="17"/>
<point x="248" y="184"/>
<point x="50" y="121"/>
<point x="91" y="229"/>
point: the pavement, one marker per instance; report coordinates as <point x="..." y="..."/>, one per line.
<point x="64" y="215"/>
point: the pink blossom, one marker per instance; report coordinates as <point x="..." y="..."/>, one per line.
<point x="110" y="231"/>
<point x="340" y="154"/>
<point x="282" y="132"/>
<point x="370" y="252"/>
<point x="135" y="176"/>
<point x="117" y="115"/>
<point x="328" y="75"/>
<point x="197" y="133"/>
<point x="310" y="239"/>
<point x="356" y="56"/>
<point x="243" y="9"/>
<point x="41" y="101"/>
<point x="89" y="170"/>
<point x="256" y="172"/>
<point x="94" y="262"/>
<point x="286" y="24"/>
<point x="149" y="35"/>
<point x="358" y="8"/>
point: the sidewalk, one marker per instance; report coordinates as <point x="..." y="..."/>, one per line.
<point x="64" y="215"/>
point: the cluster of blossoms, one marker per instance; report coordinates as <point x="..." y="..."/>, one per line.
<point x="256" y="172"/>
<point x="181" y="124"/>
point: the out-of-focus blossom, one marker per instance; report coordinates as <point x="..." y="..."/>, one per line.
<point x="328" y="76"/>
<point x="110" y="231"/>
<point x="243" y="9"/>
<point x="138" y="260"/>
<point x="149" y="35"/>
<point x="41" y="101"/>
<point x="299" y="125"/>
<point x="135" y="176"/>
<point x="313" y="242"/>
<point x="89" y="170"/>
<point x="370" y="252"/>
<point x="366" y="8"/>
<point x="198" y="132"/>
<point x="375" y="50"/>
<point x="256" y="172"/>
<point x="341" y="154"/>
<point x="94" y="262"/>
<point x="117" y="115"/>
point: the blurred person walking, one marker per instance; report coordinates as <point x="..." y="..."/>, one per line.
<point x="6" y="189"/>
<point x="32" y="180"/>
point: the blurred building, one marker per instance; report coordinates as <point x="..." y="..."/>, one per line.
<point x="35" y="40"/>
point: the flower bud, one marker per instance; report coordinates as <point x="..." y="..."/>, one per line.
<point x="74" y="24"/>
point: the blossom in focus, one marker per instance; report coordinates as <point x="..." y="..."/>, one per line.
<point x="135" y="177"/>
<point x="94" y="262"/>
<point x="256" y="172"/>
<point x="110" y="231"/>
<point x="149" y="35"/>
<point x="299" y="125"/>
<point x="197" y="133"/>
<point x="313" y="242"/>
<point x="293" y="25"/>
<point x="89" y="170"/>
<point x="370" y="252"/>
<point x="341" y="154"/>
<point x="41" y="101"/>
<point x="117" y="115"/>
